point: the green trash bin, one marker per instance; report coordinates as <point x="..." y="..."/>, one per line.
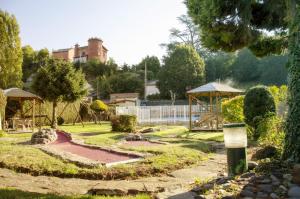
<point x="235" y="138"/>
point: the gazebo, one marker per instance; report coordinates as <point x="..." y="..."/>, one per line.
<point x="209" y="114"/>
<point x="19" y="95"/>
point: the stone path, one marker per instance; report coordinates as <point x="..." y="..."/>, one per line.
<point x="174" y="186"/>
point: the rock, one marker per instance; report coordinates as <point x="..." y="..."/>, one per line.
<point x="274" y="196"/>
<point x="147" y="130"/>
<point x="265" y="188"/>
<point x="226" y="186"/>
<point x="199" y="197"/>
<point x="261" y="195"/>
<point x="247" y="175"/>
<point x="44" y="136"/>
<point x="252" y="165"/>
<point x="247" y="193"/>
<point x="296" y="174"/>
<point x="265" y="181"/>
<point x="135" y="137"/>
<point x="294" y="191"/>
<point x="282" y="188"/>
<point x="288" y="177"/>
<point x="222" y="180"/>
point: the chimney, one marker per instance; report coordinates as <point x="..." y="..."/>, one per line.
<point x="76" y="51"/>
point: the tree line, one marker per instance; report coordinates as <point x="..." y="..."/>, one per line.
<point x="186" y="60"/>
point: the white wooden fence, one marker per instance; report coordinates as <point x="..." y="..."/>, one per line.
<point x="163" y="114"/>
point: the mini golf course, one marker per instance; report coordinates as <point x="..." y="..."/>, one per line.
<point x="64" y="143"/>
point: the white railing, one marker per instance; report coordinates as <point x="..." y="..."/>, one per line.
<point x="163" y="114"/>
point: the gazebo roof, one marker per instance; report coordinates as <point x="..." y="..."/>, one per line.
<point x="215" y="88"/>
<point x="18" y="93"/>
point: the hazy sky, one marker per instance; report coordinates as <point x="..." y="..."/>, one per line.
<point x="130" y="29"/>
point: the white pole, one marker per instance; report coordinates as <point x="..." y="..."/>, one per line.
<point x="145" y="95"/>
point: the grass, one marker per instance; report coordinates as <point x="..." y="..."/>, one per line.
<point x="9" y="193"/>
<point x="179" y="153"/>
<point x="207" y="136"/>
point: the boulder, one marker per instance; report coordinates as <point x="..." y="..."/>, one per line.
<point x="296" y="174"/>
<point x="44" y="136"/>
<point x="135" y="137"/>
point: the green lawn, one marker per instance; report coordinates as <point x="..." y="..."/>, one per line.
<point x="16" y="194"/>
<point x="183" y="149"/>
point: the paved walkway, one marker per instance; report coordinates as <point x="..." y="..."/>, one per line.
<point x="175" y="186"/>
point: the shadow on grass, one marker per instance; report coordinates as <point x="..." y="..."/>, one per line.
<point x="192" y="144"/>
<point x="13" y="193"/>
<point x="16" y="194"/>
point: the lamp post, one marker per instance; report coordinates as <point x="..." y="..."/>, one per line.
<point x="235" y="138"/>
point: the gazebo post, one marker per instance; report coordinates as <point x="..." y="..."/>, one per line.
<point x="40" y="119"/>
<point x="33" y="115"/>
<point x="190" y="112"/>
<point x="217" y="110"/>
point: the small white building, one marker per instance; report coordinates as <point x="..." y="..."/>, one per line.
<point x="151" y="88"/>
<point x="124" y="99"/>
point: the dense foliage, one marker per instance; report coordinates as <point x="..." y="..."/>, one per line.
<point x="153" y="67"/>
<point x="232" y="110"/>
<point x="182" y="63"/>
<point x="2" y="102"/>
<point x="231" y="25"/>
<point x="33" y="60"/>
<point x="59" y="81"/>
<point x="10" y="52"/>
<point x="271" y="131"/>
<point x="121" y="82"/>
<point x="99" y="106"/>
<point x="124" y="123"/>
<point x="258" y="103"/>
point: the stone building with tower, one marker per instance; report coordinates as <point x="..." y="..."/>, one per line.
<point x="94" y="50"/>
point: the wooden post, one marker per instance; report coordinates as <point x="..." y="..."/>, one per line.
<point x="190" y="113"/>
<point x="40" y="116"/>
<point x="33" y="115"/>
<point x="210" y="102"/>
<point x="217" y="110"/>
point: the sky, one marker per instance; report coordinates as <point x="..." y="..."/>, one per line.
<point x="130" y="29"/>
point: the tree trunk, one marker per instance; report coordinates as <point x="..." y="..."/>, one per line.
<point x="54" y="119"/>
<point x="292" y="138"/>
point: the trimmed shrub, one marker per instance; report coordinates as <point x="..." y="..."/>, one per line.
<point x="266" y="152"/>
<point x="124" y="123"/>
<point x="99" y="106"/>
<point x="258" y="103"/>
<point x="60" y="121"/>
<point x="232" y="110"/>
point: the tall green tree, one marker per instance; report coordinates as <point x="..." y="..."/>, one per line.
<point x="219" y="66"/>
<point x="10" y="52"/>
<point x="122" y="82"/>
<point x="231" y="25"/>
<point x="183" y="69"/>
<point x="273" y="70"/>
<point x="153" y="67"/>
<point x="59" y="81"/>
<point x="33" y="60"/>
<point x="245" y="68"/>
